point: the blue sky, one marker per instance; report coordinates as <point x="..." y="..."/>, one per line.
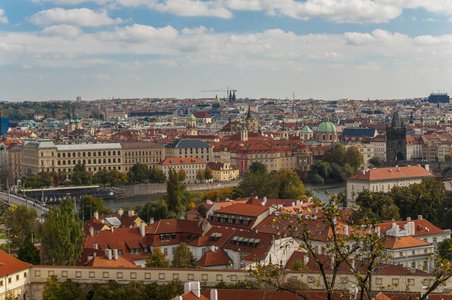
<point x="325" y="49"/>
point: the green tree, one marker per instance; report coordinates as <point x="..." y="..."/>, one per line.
<point x="336" y="154"/>
<point x="174" y="191"/>
<point x="53" y="290"/>
<point x="157" y="259"/>
<point x="377" y="206"/>
<point x="89" y="205"/>
<point x="354" y="158"/>
<point x="182" y="175"/>
<point x="183" y="258"/>
<point x="445" y="249"/>
<point x="208" y="173"/>
<point x="29" y="253"/>
<point x="23" y="223"/>
<point x="258" y="167"/>
<point x="200" y="175"/>
<point x="117" y="178"/>
<point x="80" y="176"/>
<point x="375" y="162"/>
<point x="138" y="173"/>
<point x="159" y="175"/>
<point x="62" y="235"/>
<point x="447" y="157"/>
<point x="102" y="177"/>
<point x="202" y="210"/>
<point x="157" y="210"/>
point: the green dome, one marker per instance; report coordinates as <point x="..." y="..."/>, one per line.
<point x="191" y="117"/>
<point x="326" y="126"/>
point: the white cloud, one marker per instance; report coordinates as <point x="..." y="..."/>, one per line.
<point x="194" y="8"/>
<point x="76" y="16"/>
<point x="197" y="30"/>
<point x="71" y="2"/>
<point x="10" y="47"/>
<point x="3" y="17"/>
<point x="65" y="31"/>
<point x="102" y="76"/>
<point x="140" y="33"/>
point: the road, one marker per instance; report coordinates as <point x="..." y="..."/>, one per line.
<point x="21" y="201"/>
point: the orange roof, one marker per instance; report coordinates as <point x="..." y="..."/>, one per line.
<point x="403" y="242"/>
<point x="10" y="264"/>
<point x="191" y="296"/>
<point x="182" y="161"/>
<point x="421" y="227"/>
<point x="99" y="261"/>
<point x="217" y="258"/>
<point x="243" y="210"/>
<point x="392" y="173"/>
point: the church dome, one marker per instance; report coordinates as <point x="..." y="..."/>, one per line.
<point x="191" y="117"/>
<point x="326" y="126"/>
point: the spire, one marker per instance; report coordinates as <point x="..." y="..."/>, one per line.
<point x="248" y="116"/>
<point x="230" y="96"/>
<point x="233" y="96"/>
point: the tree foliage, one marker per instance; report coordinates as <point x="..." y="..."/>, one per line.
<point x="174" y="190"/>
<point x="89" y="205"/>
<point x="183" y="258"/>
<point x="156" y="209"/>
<point x="29" y="253"/>
<point x="182" y="174"/>
<point x="200" y="175"/>
<point x="208" y="173"/>
<point x="258" y="167"/>
<point x="62" y="235"/>
<point x="53" y="290"/>
<point x="376" y="162"/>
<point x="157" y="259"/>
<point x="376" y="206"/>
<point x="23" y="223"/>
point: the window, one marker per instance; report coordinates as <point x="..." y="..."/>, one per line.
<point x="165" y="251"/>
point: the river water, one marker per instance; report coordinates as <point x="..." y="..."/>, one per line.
<point x="319" y="191"/>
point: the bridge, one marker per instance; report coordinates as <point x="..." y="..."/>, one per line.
<point x="40" y="209"/>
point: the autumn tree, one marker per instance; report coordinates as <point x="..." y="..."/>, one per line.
<point x="182" y="174"/>
<point x="200" y="175"/>
<point x="138" y="173"/>
<point x="354" y="158"/>
<point x="89" y="205"/>
<point x="62" y="235"/>
<point x="376" y="206"/>
<point x="23" y="223"/>
<point x="174" y="190"/>
<point x="157" y="259"/>
<point x="183" y="258"/>
<point x="53" y="290"/>
<point x="208" y="173"/>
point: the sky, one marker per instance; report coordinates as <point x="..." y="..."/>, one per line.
<point x="321" y="49"/>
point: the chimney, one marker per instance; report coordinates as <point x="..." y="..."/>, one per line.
<point x="407" y="229"/>
<point x="419" y="217"/>
<point x="208" y="201"/>
<point x="397" y="231"/>
<point x="413" y="228"/>
<point x="196" y="288"/>
<point x="120" y="212"/>
<point x="108" y="254"/>
<point x="131" y="212"/>
<point x="256" y="197"/>
<point x="151" y="221"/>
<point x="293" y="203"/>
<point x="305" y="260"/>
<point x="298" y="202"/>
<point x="96" y="215"/>
<point x="179" y="298"/>
<point x="187" y="287"/>
<point x="346" y="230"/>
<point x="94" y="254"/>
<point x="91" y="231"/>
<point x="115" y="254"/>
<point x="90" y="258"/>
<point x="408" y="218"/>
<point x="112" y="229"/>
<point x="142" y="229"/>
<point x="213" y="294"/>
<point x="264" y="200"/>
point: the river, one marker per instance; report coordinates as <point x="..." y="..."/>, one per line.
<point x="319" y="191"/>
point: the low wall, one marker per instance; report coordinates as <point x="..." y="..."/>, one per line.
<point x="160" y="188"/>
<point x="209" y="277"/>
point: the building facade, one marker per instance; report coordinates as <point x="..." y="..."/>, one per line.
<point x="396" y="149"/>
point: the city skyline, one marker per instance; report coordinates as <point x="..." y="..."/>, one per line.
<point x="322" y="49"/>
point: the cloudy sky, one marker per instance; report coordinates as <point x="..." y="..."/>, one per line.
<point x="323" y="49"/>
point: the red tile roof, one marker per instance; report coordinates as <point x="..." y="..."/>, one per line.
<point x="421" y="227"/>
<point x="182" y="161"/>
<point x="392" y="173"/>
<point x="217" y="258"/>
<point x="392" y="242"/>
<point x="10" y="264"/>
<point x="249" y="210"/>
<point x="102" y="262"/>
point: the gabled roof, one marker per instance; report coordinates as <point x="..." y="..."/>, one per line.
<point x="202" y="114"/>
<point x="391" y="242"/>
<point x="249" y="210"/>
<point x="10" y="264"/>
<point x="392" y="173"/>
<point x="421" y="227"/>
<point x="217" y="258"/>
<point x="100" y="261"/>
<point x="182" y="161"/>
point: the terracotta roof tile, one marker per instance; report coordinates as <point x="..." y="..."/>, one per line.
<point x="10" y="264"/>
<point x="392" y="242"/>
<point x="217" y="258"/>
<point x="392" y="173"/>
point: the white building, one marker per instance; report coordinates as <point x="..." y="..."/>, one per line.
<point x="383" y="179"/>
<point x="190" y="165"/>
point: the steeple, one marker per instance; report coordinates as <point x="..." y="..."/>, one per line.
<point x="248" y="116"/>
<point x="233" y="96"/>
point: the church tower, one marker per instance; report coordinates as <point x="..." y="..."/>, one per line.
<point x="244" y="133"/>
<point x="284" y="131"/>
<point x="396" y="140"/>
<point x="191" y="125"/>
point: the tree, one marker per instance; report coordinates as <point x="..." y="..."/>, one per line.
<point x="258" y="167"/>
<point x="375" y="162"/>
<point x="117" y="178"/>
<point x="67" y="290"/>
<point x="80" y="176"/>
<point x="182" y="175"/>
<point x="183" y="258"/>
<point x="23" y="223"/>
<point x="202" y="210"/>
<point x="447" y="157"/>
<point x="174" y="191"/>
<point x="208" y="173"/>
<point x="102" y="177"/>
<point x="335" y="155"/>
<point x="89" y="205"/>
<point x="376" y="206"/>
<point x="200" y="175"/>
<point x="445" y="249"/>
<point x="354" y="158"/>
<point x="62" y="235"/>
<point x="157" y="259"/>
<point x="29" y="253"/>
<point x="138" y="173"/>
<point x="157" y="210"/>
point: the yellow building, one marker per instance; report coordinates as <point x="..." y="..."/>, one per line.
<point x="223" y="171"/>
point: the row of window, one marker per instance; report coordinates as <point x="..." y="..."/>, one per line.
<point x="84" y="154"/>
<point x="10" y="279"/>
<point x="89" y="162"/>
